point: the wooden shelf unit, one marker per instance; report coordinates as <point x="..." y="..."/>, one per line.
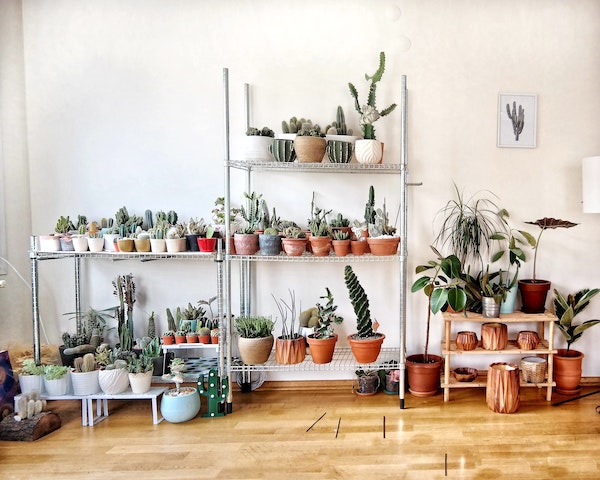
<point x="546" y="347"/>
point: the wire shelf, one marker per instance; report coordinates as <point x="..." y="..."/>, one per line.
<point x="314" y="167"/>
<point x="307" y="257"/>
<point x="142" y="256"/>
<point x="343" y="360"/>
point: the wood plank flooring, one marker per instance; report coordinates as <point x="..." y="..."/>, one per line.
<point x="268" y="436"/>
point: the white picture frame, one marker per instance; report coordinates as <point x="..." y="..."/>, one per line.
<point x="525" y="136"/>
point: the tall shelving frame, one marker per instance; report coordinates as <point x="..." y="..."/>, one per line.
<point x="246" y="262"/>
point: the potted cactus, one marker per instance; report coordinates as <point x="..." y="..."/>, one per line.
<point x="31" y="377"/>
<point x="113" y="376"/>
<point x="257" y="144"/>
<point x="84" y="376"/>
<point x="140" y="369"/>
<point x="340" y="243"/>
<point x="320" y="231"/>
<point x="269" y="242"/>
<point x="294" y="241"/>
<point x="366" y="342"/>
<point x="340" y="141"/>
<point x="322" y="341"/>
<point x="382" y="239"/>
<point x="246" y="242"/>
<point x="310" y="144"/>
<point x="63" y="229"/>
<point x="370" y="150"/>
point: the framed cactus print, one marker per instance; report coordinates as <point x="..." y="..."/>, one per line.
<point x="517" y="119"/>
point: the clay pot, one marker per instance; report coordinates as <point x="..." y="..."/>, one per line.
<point x="255" y="351"/>
<point x="533" y="295"/>
<point x="567" y="371"/>
<point x="294" y="247"/>
<point x="366" y="350"/>
<point x="494" y="336"/>
<point x="321" y="349"/>
<point x="289" y="352"/>
<point x="383" y="245"/>
<point x="341" y="247"/>
<point x="246" y="243"/>
<point x="466" y="340"/>
<point x="142" y="244"/>
<point x="359" y="247"/>
<point x="126" y="244"/>
<point x="423" y="378"/>
<point x="321" y="246"/>
<point x="528" y="340"/>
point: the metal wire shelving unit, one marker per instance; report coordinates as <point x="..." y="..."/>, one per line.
<point x="343" y="359"/>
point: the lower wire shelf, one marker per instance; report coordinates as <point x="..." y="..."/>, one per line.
<point x="343" y="360"/>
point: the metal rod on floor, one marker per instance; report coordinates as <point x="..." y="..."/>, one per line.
<point x="575" y="398"/>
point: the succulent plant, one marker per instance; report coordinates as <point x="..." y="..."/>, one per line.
<point x="263" y="132"/>
<point x="360" y="304"/>
<point x="327" y="316"/>
<point x="254" y="326"/>
<point x="339" y="126"/>
<point x="295" y="125"/>
<point x="63" y="225"/>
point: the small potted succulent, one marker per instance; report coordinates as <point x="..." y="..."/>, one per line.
<point x="57" y="380"/>
<point x="310" y="144"/>
<point x="322" y="341"/>
<point x="255" y="338"/>
<point x="140" y="369"/>
<point x="246" y="241"/>
<point x="294" y="241"/>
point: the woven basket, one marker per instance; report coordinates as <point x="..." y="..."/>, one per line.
<point x="534" y="369"/>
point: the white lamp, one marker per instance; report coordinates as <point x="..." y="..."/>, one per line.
<point x="591" y="184"/>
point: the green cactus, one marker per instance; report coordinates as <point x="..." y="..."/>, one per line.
<point x="122" y="216"/>
<point x="103" y="222"/>
<point x="63" y="225"/>
<point x="172" y="217"/>
<point x="370" y="207"/>
<point x="203" y="331"/>
<point x="148" y="219"/>
<point x="263" y="132"/>
<point x="360" y="303"/>
<point x="369" y="112"/>
<point x="151" y="331"/>
<point x="85" y="364"/>
<point x="339" y="126"/>
<point x="251" y="213"/>
<point x="294" y="125"/>
<point x="171" y="326"/>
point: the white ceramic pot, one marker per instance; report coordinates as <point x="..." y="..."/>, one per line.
<point x="31" y="383"/>
<point x="85" y="383"/>
<point x="96" y="244"/>
<point x="176" y="245"/>
<point x="368" y="151"/>
<point x="257" y="148"/>
<point x="57" y="387"/>
<point x="109" y="241"/>
<point x="140" y="382"/>
<point x="49" y="243"/>
<point x="80" y="244"/>
<point x="113" y="381"/>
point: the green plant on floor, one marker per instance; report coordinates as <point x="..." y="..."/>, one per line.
<point x="567" y="308"/>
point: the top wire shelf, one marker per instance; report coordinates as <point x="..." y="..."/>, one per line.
<point x="314" y="167"/>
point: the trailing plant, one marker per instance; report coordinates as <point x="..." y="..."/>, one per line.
<point x="566" y="309"/>
<point x="368" y="112"/>
<point x="360" y="304"/>
<point x="327" y="317"/>
<point x="254" y="326"/>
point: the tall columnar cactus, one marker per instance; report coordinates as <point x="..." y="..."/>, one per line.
<point x="172" y="217"/>
<point x="148" y="219"/>
<point x="151" y="332"/>
<point x="171" y="325"/>
<point x="85" y="364"/>
<point x="517" y="118"/>
<point x="370" y="207"/>
<point x="360" y="303"/>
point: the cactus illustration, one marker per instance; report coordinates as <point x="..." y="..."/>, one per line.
<point x="517" y="118"/>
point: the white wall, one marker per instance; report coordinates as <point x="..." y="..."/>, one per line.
<point x="124" y="106"/>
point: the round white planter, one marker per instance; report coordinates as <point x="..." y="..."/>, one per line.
<point x="31" y="383"/>
<point x="140" y="382"/>
<point x="85" y="383"/>
<point x="113" y="381"/>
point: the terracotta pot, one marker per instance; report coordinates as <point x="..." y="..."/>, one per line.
<point x="309" y="149"/>
<point x="528" y="340"/>
<point x="423" y="378"/>
<point x="179" y="339"/>
<point x="494" y="336"/>
<point x="321" y="246"/>
<point x="502" y="388"/>
<point x="567" y="371"/>
<point x="533" y="295"/>
<point x="255" y="351"/>
<point x="359" y="247"/>
<point x="366" y="350"/>
<point x="341" y="247"/>
<point x="383" y="245"/>
<point x="191" y="338"/>
<point x="168" y="339"/>
<point x="321" y="349"/>
<point x="289" y="352"/>
<point x="466" y="340"/>
<point x="294" y="247"/>
<point x="204" y="338"/>
<point x="246" y="243"/>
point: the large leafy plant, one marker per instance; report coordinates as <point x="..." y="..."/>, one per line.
<point x="568" y="308"/>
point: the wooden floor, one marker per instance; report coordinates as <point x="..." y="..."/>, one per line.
<point x="268" y="435"/>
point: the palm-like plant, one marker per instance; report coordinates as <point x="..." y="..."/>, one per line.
<point x="568" y="308"/>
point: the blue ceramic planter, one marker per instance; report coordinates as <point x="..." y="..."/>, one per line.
<point x="177" y="409"/>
